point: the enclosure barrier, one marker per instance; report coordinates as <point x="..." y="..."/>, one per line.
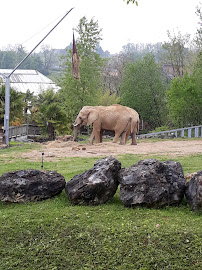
<point x="190" y="132"/>
<point x="24" y="130"/>
<point x="32" y="130"/>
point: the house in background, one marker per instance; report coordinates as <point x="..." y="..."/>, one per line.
<point x="23" y="79"/>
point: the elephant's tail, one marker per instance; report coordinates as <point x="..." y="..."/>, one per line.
<point x="138" y="126"/>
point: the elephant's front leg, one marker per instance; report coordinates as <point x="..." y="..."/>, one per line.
<point x="97" y="132"/>
<point x="91" y="138"/>
<point x="101" y="134"/>
<point x="116" y="137"/>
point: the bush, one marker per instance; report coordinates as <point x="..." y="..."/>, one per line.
<point x="162" y="128"/>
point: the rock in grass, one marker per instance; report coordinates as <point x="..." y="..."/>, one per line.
<point x="194" y="191"/>
<point x="152" y="183"/>
<point x="95" y="186"/>
<point x="30" y="185"/>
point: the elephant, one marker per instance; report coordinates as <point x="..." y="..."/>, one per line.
<point x="121" y="119"/>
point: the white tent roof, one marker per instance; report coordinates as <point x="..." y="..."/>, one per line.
<point x="32" y="80"/>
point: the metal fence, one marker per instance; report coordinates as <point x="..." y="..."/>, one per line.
<point x="190" y="132"/>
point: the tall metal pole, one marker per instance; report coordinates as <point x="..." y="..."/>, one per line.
<point x="7" y="83"/>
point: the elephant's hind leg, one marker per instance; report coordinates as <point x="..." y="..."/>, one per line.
<point x="125" y="133"/>
<point x="123" y="138"/>
<point x="134" y="142"/>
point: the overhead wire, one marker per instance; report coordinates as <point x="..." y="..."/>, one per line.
<point x="42" y="29"/>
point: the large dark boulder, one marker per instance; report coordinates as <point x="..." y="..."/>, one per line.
<point x="152" y="183"/>
<point x="95" y="186"/>
<point x="194" y="191"/>
<point x="30" y="185"/>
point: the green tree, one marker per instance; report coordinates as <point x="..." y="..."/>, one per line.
<point x="86" y="90"/>
<point x="50" y="114"/>
<point x="48" y="58"/>
<point x="16" y="105"/>
<point x="107" y="99"/>
<point x="185" y="97"/>
<point x="8" y="59"/>
<point x="176" y="53"/>
<point x="143" y="89"/>
<point x="184" y="101"/>
<point x="14" y="54"/>
<point x="198" y="39"/>
<point x="197" y="72"/>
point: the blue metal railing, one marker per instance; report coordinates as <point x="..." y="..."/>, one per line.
<point x="192" y="132"/>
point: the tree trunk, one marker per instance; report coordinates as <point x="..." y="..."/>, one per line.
<point x="51" y="131"/>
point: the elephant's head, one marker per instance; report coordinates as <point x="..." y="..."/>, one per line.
<point x="86" y="117"/>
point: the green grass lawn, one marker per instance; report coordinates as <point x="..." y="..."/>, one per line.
<point x="54" y="234"/>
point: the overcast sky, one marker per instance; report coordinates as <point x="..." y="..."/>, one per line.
<point x="121" y="23"/>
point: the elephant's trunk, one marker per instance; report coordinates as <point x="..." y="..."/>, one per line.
<point x="76" y="129"/>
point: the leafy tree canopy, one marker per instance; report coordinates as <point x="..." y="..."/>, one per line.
<point x="107" y="99"/>
<point x="143" y="89"/>
<point x="198" y="39"/>
<point x="50" y="114"/>
<point x="86" y="90"/>
<point x="16" y="105"/>
<point x="176" y="52"/>
<point x="185" y="97"/>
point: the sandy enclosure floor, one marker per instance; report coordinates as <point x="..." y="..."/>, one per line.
<point x="58" y="149"/>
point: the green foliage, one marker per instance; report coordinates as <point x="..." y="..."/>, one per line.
<point x="86" y="90"/>
<point x="198" y="39"/>
<point x="184" y="101"/>
<point x="7" y="59"/>
<point x="54" y="234"/>
<point x="47" y="60"/>
<point x="197" y="73"/>
<point x="176" y="52"/>
<point x="16" y="104"/>
<point x="107" y="99"/>
<point x="143" y="89"/>
<point x="162" y="128"/>
<point x="185" y="97"/>
<point x="10" y="57"/>
<point x="89" y="36"/>
<point x="51" y="115"/>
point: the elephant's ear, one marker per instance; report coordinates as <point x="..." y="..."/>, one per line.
<point x="92" y="116"/>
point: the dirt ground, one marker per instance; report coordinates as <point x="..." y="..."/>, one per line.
<point x="171" y="148"/>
